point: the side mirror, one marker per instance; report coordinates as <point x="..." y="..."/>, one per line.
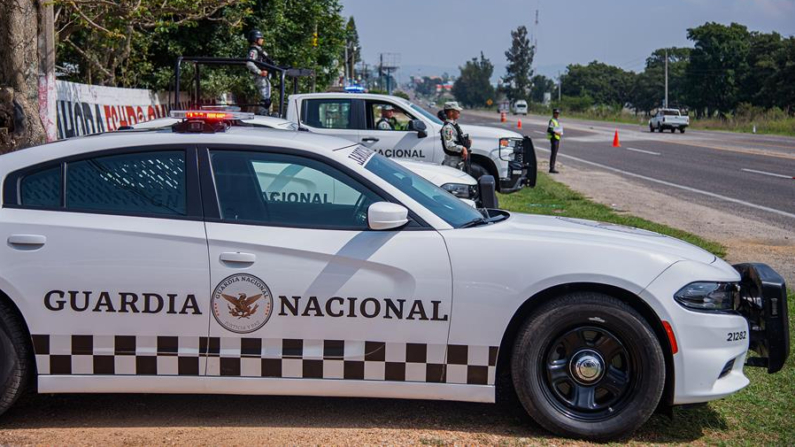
<point x="419" y="127"/>
<point x="386" y="216"/>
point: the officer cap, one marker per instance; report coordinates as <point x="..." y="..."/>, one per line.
<point x="555" y="111"/>
<point x="387" y="108"/>
<point x="452" y="105"/>
<point x="254" y="34"/>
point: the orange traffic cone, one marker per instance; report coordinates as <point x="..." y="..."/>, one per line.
<point x="616" y="143"/>
<point x="502" y="117"/>
<point x="519" y="124"/>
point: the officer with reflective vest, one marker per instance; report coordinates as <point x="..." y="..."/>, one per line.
<point x="455" y="143"/>
<point x="554" y="132"/>
<point x="255" y="52"/>
<point x="388" y="120"/>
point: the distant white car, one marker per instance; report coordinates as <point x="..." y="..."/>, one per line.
<point x="669" y="119"/>
<point x="520" y="107"/>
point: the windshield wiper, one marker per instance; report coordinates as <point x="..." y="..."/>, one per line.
<point x="484" y="221"/>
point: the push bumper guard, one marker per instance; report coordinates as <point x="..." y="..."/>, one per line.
<point x="523" y="169"/>
<point x="763" y="302"/>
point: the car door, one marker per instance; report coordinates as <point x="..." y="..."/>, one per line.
<point x="108" y="256"/>
<point x="302" y="288"/>
<point x="339" y="117"/>
<point x="399" y="143"/>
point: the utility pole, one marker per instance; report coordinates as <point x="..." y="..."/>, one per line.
<point x="345" y="77"/>
<point x="560" y="85"/>
<point x="666" y="78"/>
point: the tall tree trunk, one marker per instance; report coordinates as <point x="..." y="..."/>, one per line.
<point x="20" y="122"/>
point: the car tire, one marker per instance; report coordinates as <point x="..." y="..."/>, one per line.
<point x="673" y="130"/>
<point x="14" y="357"/>
<point x="587" y="365"/>
<point x="476" y="170"/>
<point x="682" y="130"/>
<point x="651" y="128"/>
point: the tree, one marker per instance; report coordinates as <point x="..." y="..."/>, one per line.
<point x="473" y="88"/>
<point x="519" y="68"/>
<point x="606" y="84"/>
<point x="718" y="64"/>
<point x="541" y="84"/>
<point x="110" y="40"/>
<point x="20" y="29"/>
<point x="648" y="90"/>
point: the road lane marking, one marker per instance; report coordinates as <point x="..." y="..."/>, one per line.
<point x="771" y="174"/>
<point x="538" y="131"/>
<point x="642" y="151"/>
<point x="729" y="149"/>
<point x="682" y="187"/>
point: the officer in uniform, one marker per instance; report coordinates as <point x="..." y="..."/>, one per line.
<point x="388" y="120"/>
<point x="256" y="53"/>
<point x="554" y="132"/>
<point x="455" y="143"/>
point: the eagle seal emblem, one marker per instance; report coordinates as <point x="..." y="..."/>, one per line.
<point x="242" y="303"/>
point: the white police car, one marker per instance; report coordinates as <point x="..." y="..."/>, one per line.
<point x="207" y="259"/>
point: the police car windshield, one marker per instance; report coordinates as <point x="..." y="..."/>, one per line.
<point x="440" y="202"/>
<point x="426" y="114"/>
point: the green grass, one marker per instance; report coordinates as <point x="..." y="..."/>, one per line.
<point x="553" y="198"/>
<point x="761" y="414"/>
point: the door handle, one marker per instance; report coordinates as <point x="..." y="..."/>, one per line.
<point x="28" y="241"/>
<point x="370" y="140"/>
<point x="238" y="258"/>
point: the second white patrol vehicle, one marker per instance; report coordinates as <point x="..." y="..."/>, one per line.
<point x="501" y="153"/>
<point x="204" y="258"/>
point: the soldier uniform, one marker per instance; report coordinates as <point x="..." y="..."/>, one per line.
<point x="453" y="140"/>
<point x="387" y="123"/>
<point x="554" y="132"/>
<point x="262" y="82"/>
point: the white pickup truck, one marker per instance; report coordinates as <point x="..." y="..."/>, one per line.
<point x="669" y="119"/>
<point x="501" y="153"/>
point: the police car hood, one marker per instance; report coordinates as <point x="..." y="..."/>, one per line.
<point x="488" y="132"/>
<point x="600" y="235"/>
<point x="437" y="174"/>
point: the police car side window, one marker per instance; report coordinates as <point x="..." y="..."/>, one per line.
<point x="146" y="183"/>
<point x="42" y="189"/>
<point x="286" y="190"/>
<point x="328" y="113"/>
<point x="398" y="121"/>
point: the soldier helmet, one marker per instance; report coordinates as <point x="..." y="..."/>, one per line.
<point x="554" y="111"/>
<point x="387" y="108"/>
<point x="452" y="105"/>
<point x="254" y="35"/>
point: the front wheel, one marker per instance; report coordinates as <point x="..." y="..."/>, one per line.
<point x="587" y="365"/>
<point x="651" y="128"/>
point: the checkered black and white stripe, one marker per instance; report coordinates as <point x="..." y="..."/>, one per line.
<point x="256" y="357"/>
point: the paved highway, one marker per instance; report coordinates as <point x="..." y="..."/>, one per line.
<point x="750" y="175"/>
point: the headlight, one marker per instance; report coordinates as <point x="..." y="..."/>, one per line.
<point x="461" y="190"/>
<point x="708" y="296"/>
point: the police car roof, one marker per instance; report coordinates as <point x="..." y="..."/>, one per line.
<point x="247" y="136"/>
<point x="378" y="96"/>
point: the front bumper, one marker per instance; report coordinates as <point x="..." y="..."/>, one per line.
<point x="714" y="347"/>
<point x="522" y="169"/>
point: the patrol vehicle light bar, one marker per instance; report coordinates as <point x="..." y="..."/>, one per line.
<point x="210" y="115"/>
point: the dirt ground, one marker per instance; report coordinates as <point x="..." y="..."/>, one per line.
<point x="150" y="420"/>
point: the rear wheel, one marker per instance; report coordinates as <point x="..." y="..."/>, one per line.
<point x="682" y="130"/>
<point x="588" y="366"/>
<point x="651" y="128"/>
<point x="477" y="170"/>
<point x="673" y="130"/>
<point x="14" y="357"/>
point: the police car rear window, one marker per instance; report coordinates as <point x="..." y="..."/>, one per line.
<point x="42" y="189"/>
<point x="148" y="183"/>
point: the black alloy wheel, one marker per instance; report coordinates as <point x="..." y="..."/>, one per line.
<point x="588" y="373"/>
<point x="587" y="365"/>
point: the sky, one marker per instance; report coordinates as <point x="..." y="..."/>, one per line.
<point x="434" y="36"/>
